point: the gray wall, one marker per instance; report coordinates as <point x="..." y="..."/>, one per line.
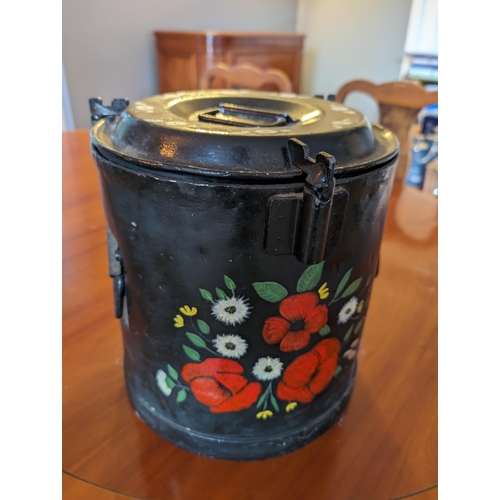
<point x="108" y="46"/>
<point x="347" y="40"/>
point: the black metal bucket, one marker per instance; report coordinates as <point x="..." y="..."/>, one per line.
<point x="242" y="267"/>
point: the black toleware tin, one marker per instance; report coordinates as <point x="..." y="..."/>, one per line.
<point x="244" y="237"/>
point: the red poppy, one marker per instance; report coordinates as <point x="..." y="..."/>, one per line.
<point x="309" y="374"/>
<point x="217" y="383"/>
<point x="301" y="317"/>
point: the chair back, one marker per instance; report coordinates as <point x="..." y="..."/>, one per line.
<point x="245" y="76"/>
<point x="399" y="104"/>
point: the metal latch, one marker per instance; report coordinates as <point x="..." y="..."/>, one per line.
<point x="302" y="224"/>
<point x="98" y="110"/>
<point x="116" y="272"/>
<point x="243" y="116"/>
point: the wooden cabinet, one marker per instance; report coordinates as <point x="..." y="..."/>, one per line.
<point x="184" y="57"/>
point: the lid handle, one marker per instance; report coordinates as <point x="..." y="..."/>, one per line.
<point x="244" y="116"/>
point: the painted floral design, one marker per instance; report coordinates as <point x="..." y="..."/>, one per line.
<point x="323" y="291"/>
<point x="178" y="321"/>
<point x="347" y="311"/>
<point x="161" y="380"/>
<point x="230" y="346"/>
<point x="271" y="386"/>
<point x="267" y="368"/>
<point x="301" y="316"/>
<point x="309" y="374"/>
<point x="231" y="311"/>
<point x="168" y="382"/>
<point x="219" y="384"/>
<point x="188" y="311"/>
<point x="264" y="415"/>
<point x="351" y="352"/>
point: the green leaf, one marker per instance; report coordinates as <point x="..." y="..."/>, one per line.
<point x="181" y="396"/>
<point x="359" y="325"/>
<point x="351" y="288"/>
<point x="343" y="283"/>
<point x="220" y="293"/>
<point x="170" y="383"/>
<point x="369" y="280"/>
<point x="172" y="373"/>
<point x="310" y="277"/>
<point x="206" y="294"/>
<point x="192" y="354"/>
<point x="274" y="403"/>
<point x="348" y="334"/>
<point x="337" y="370"/>
<point x="203" y="326"/>
<point x="196" y="339"/>
<point x="325" y="330"/>
<point x="261" y="400"/>
<point x="229" y="283"/>
<point x="270" y="291"/>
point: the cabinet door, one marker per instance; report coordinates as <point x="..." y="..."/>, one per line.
<point x="286" y="61"/>
<point x="183" y="58"/>
<point x="177" y="71"/>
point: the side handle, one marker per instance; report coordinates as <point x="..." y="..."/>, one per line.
<point x="116" y="272"/>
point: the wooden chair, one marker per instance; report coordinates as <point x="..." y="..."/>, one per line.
<point x="399" y="104"/>
<point x="245" y="76"/>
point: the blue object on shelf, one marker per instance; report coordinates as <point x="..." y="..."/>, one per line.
<point x="423" y="152"/>
<point x="428" y="119"/>
<point x="425" y="146"/>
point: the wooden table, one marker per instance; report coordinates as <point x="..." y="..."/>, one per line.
<point x="385" y="446"/>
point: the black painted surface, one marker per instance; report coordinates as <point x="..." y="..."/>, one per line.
<point x="178" y="236"/>
<point x="181" y="225"/>
<point x="164" y="133"/>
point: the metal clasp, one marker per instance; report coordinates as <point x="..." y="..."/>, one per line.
<point x="116" y="272"/>
<point x="98" y="110"/>
<point x="302" y="224"/>
<point x="317" y="199"/>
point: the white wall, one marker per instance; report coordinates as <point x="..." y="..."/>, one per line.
<point x="422" y="35"/>
<point x="67" y="115"/>
<point x="108" y="46"/>
<point x="347" y="40"/>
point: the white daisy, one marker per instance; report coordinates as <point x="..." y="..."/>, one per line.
<point x="231" y="346"/>
<point x="161" y="380"/>
<point x="267" y="368"/>
<point x="231" y="311"/>
<point x="348" y="310"/>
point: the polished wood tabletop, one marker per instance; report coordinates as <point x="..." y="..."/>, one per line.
<point x="384" y="447"/>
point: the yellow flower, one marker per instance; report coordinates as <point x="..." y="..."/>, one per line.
<point x="360" y="306"/>
<point x="264" y="414"/>
<point x="324" y="291"/>
<point x="178" y="321"/>
<point x="291" y="406"/>
<point x="188" y="311"/>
